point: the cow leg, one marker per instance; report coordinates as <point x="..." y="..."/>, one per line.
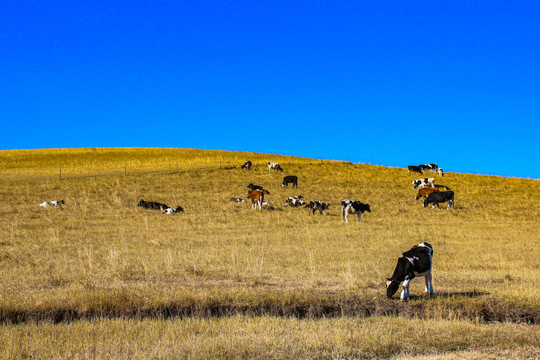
<point x="346" y="216"/>
<point x="405" y="292"/>
<point x="359" y="215"/>
<point x="429" y="283"/>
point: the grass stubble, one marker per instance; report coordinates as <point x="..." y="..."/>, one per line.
<point x="103" y="278"/>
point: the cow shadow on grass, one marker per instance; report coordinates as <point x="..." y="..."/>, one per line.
<point x="451" y="295"/>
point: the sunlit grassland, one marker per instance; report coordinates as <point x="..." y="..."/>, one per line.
<point x="102" y="257"/>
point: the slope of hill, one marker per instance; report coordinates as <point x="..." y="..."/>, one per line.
<point x="102" y="258"/>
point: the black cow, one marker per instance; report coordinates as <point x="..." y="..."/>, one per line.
<point x="353" y="207"/>
<point x="291" y="179"/>
<point x="247" y="165"/>
<point x="255" y="187"/>
<point x="152" y="205"/>
<point x="317" y="205"/>
<point x="413" y="168"/>
<point x="416" y="261"/>
<point x="440" y="196"/>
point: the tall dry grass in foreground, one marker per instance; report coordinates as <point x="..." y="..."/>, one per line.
<point x="103" y="257"/>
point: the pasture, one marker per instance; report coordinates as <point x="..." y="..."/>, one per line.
<point x="104" y="278"/>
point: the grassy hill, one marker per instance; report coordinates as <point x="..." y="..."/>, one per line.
<point x="221" y="280"/>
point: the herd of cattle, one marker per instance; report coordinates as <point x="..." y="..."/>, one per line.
<point x="414" y="262"/>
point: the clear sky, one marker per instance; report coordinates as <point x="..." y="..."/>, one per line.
<point x="394" y="82"/>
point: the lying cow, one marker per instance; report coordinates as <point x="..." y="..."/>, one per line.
<point x="237" y="200"/>
<point x="247" y="165"/>
<point x="257" y="198"/>
<point x="295" y="201"/>
<point x="291" y="179"/>
<point x="54" y="203"/>
<point x="417" y="261"/>
<point x="274" y="166"/>
<point x="420" y="183"/>
<point x="317" y="205"/>
<point x="254" y="187"/>
<point x="414" y="168"/>
<point x="152" y="205"/>
<point x="353" y="207"/>
<point x="441" y="196"/>
<point x="172" y="211"/>
<point x="424" y="192"/>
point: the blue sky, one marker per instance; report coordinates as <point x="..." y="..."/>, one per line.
<point x="396" y="83"/>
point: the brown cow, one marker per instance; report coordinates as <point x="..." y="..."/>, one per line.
<point x="257" y="197"/>
<point x="424" y="192"/>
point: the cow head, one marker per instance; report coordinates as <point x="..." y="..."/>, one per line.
<point x="179" y="209"/>
<point x="391" y="287"/>
<point x="425" y="203"/>
<point x="141" y="203"/>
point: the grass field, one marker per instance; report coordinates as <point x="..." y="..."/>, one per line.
<point x="104" y="278"/>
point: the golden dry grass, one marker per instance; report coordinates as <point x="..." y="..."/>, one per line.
<point x="103" y="257"/>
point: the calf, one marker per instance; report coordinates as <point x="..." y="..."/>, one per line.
<point x="152" y="205"/>
<point x="274" y="166"/>
<point x="254" y="187"/>
<point x="247" y="165"/>
<point x="172" y="211"/>
<point x="257" y="198"/>
<point x="417" y="261"/>
<point x="413" y="168"/>
<point x="441" y="196"/>
<point x="237" y="200"/>
<point x="420" y="183"/>
<point x="424" y="192"/>
<point x="295" y="201"/>
<point x="54" y="203"/>
<point x="353" y="207"/>
<point x="291" y="179"/>
<point x="317" y="205"/>
<point x="440" y="172"/>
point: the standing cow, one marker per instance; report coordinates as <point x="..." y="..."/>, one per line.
<point x="291" y="179"/>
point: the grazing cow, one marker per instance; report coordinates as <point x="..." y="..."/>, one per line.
<point x="424" y="192"/>
<point x="274" y="166"/>
<point x="247" y="165"/>
<point x="152" y="205"/>
<point x="291" y="179"/>
<point x="172" y="211"/>
<point x="353" y="207"/>
<point x="413" y="168"/>
<point x="441" y="196"/>
<point x="257" y="198"/>
<point x="54" y="203"/>
<point x="420" y="183"/>
<point x="417" y="261"/>
<point x="317" y="205"/>
<point x="426" y="167"/>
<point x="440" y="172"/>
<point x="254" y="187"/>
<point x="238" y="200"/>
<point x="295" y="201"/>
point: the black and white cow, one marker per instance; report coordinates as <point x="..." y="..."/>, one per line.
<point x="414" y="168"/>
<point x="353" y="207"/>
<point x="237" y="200"/>
<point x="415" y="262"/>
<point x="291" y="179"/>
<point x="172" y="211"/>
<point x="274" y="166"/>
<point x="254" y="187"/>
<point x="247" y="165"/>
<point x="54" y="203"/>
<point x="295" y="201"/>
<point x="152" y="205"/>
<point x="420" y="183"/>
<point x="440" y="196"/>
<point x="428" y="167"/>
<point x="317" y="205"/>
<point x="440" y="172"/>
